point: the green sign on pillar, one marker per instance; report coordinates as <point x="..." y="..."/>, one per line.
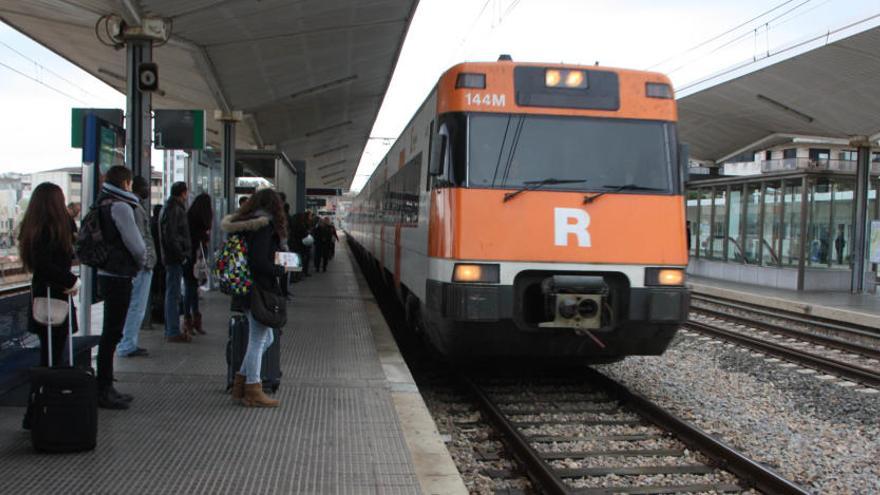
<point x="78" y="121"/>
<point x="179" y="129"/>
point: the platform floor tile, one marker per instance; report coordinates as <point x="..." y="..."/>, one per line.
<point x="336" y="432"/>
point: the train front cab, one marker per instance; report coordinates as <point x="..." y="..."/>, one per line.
<point x="557" y="216"/>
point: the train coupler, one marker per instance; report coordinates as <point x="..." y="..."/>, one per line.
<point x="575" y="301"/>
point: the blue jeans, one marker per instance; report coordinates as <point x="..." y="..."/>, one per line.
<point x="140" y="294"/>
<point x="173" y="275"/>
<point x="259" y="339"/>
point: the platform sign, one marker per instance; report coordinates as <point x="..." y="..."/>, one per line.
<point x="113" y="116"/>
<point x="874" y="245"/>
<point x="179" y="129"/>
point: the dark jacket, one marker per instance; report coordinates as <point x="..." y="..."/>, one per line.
<point x="174" y="232"/>
<point x="298" y="230"/>
<point x="51" y="270"/>
<point x="262" y="243"/>
<point x="118" y="225"/>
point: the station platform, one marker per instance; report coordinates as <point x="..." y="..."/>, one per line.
<point x="351" y="418"/>
<point x="858" y="309"/>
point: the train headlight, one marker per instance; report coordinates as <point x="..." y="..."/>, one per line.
<point x="552" y="78"/>
<point x="664" y="276"/>
<point x="475" y="273"/>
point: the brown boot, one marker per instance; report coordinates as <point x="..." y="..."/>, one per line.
<point x="187" y="326"/>
<point x="255" y="397"/>
<point x="238" y="387"/>
<point x="197" y="323"/>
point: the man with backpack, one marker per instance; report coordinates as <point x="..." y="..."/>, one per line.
<point x="110" y="241"/>
<point x="175" y="243"/>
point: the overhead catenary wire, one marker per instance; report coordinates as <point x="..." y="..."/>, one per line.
<point x="34" y="79"/>
<point x="719" y="36"/>
<point x="767" y="25"/>
<point x="46" y="69"/>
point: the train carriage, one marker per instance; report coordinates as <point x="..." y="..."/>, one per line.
<point x="534" y="211"/>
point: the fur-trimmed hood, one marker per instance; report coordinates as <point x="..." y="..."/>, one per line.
<point x="231" y="224"/>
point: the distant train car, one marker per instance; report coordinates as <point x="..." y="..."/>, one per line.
<point x="534" y="211"/>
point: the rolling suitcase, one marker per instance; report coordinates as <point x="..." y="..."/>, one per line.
<point x="63" y="404"/>
<point x="236" y="346"/>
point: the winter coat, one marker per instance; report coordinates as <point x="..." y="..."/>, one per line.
<point x="143" y="223"/>
<point x="174" y="232"/>
<point x="52" y="271"/>
<point x="128" y="253"/>
<point x="262" y="243"/>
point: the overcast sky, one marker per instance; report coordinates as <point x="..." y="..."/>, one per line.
<point x="639" y="34"/>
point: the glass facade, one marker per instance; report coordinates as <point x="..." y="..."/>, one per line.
<point x="758" y="220"/>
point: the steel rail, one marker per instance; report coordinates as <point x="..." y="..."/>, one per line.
<point x="859" y="374"/>
<point x="754" y="474"/>
<point x="537" y="469"/>
<point x="833" y="342"/>
<point x="817" y="321"/>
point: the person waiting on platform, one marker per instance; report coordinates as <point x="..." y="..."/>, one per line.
<point x="200" y="218"/>
<point x="44" y="244"/>
<point x="261" y="221"/>
<point x="140" y="286"/>
<point x="176" y="246"/>
<point x="324" y="234"/>
<point x="128" y="256"/>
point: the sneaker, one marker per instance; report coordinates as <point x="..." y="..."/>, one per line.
<point x="178" y="339"/>
<point x="140" y="351"/>
<point x="119" y="395"/>
<point x="109" y="400"/>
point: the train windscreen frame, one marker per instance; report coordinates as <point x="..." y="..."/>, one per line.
<point x="508" y="151"/>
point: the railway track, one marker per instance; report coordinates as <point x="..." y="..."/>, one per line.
<point x="851" y="359"/>
<point x="606" y="439"/>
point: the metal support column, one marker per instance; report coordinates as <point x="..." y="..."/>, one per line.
<point x="229" y="164"/>
<point x="138" y="118"/>
<point x="300" y="205"/>
<point x="802" y="241"/>
<point x="860" y="227"/>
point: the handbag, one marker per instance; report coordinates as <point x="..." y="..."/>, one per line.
<point x="48" y="311"/>
<point x="200" y="267"/>
<point x="268" y="308"/>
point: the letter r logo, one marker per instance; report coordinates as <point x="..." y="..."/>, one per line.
<point x="572" y="221"/>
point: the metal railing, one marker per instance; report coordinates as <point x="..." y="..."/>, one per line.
<point x="824" y="164"/>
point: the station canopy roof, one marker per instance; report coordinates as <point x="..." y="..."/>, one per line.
<point x="826" y="87"/>
<point x="309" y="75"/>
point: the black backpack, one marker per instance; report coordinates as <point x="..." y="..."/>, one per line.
<point x="92" y="247"/>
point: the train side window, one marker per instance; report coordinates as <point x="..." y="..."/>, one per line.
<point x="431" y="157"/>
<point x="438" y="166"/>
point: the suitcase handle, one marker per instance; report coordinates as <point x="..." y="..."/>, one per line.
<point x="69" y="326"/>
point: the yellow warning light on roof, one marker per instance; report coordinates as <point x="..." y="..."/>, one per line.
<point x="552" y="78"/>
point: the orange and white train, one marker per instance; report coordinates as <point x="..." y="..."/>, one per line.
<point x="534" y="211"/>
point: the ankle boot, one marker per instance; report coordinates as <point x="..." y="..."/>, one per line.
<point x="238" y="387"/>
<point x="197" y="322"/>
<point x="187" y="325"/>
<point x="255" y="397"/>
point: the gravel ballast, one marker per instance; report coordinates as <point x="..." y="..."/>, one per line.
<point x="816" y="430"/>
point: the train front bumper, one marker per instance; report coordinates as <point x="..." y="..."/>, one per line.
<point x="492" y="303"/>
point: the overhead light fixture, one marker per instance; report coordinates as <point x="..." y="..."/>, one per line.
<point x="785" y="108"/>
<point x="326" y="85"/>
<point x="332" y="174"/>
<point x="328" y="128"/>
<point x="330" y="150"/>
<point x="338" y="162"/>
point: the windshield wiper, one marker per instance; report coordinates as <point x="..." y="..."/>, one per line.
<point x="531" y="185"/>
<point x="618" y="188"/>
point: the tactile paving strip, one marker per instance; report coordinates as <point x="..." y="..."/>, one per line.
<point x="336" y="432"/>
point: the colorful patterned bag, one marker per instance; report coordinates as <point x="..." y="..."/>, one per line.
<point x="231" y="267"/>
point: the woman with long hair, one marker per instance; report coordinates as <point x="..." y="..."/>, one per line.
<point x="200" y="218"/>
<point x="46" y="250"/>
<point x="262" y="223"/>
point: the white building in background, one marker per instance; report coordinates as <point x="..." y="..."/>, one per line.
<point x="69" y="179"/>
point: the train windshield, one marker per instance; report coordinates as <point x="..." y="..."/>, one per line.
<point x="511" y="151"/>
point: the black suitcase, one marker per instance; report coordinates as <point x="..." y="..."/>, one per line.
<point x="63" y="405"/>
<point x="236" y="346"/>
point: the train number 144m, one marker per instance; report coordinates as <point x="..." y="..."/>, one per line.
<point x="486" y="100"/>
